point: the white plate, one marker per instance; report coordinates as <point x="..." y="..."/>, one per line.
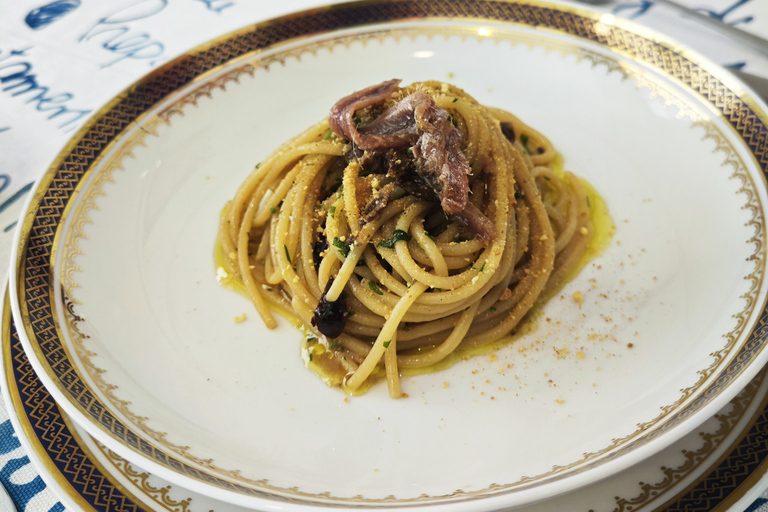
<point x="707" y="469"/>
<point x="128" y="328"/>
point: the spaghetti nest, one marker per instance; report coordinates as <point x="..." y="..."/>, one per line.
<point x="376" y="267"/>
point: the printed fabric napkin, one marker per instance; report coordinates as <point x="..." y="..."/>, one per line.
<point x="760" y="504"/>
<point x="19" y="477"/>
<point x="78" y="54"/>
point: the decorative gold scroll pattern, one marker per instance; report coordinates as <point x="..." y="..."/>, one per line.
<point x="48" y="427"/>
<point x="90" y="202"/>
<point x="160" y="495"/>
<point x="51" y="198"/>
<point x="57" y="450"/>
<point x="650" y="492"/>
<point x="206" y="88"/>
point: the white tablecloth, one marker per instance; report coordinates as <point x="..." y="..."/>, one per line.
<point x="61" y="60"/>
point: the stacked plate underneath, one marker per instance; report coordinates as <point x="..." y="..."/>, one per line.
<point x="133" y="386"/>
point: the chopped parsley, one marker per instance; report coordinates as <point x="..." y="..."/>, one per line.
<point x="333" y="345"/>
<point x="258" y="164"/>
<point x="493" y="310"/>
<point x="386" y="343"/>
<point x="455" y="100"/>
<point x="310" y="357"/>
<point x="328" y="134"/>
<point x="374" y="288"/>
<point x="311" y="337"/>
<point x="272" y="210"/>
<point x="332" y="210"/>
<point x="397" y="236"/>
<point x="286" y="254"/>
<point x="524" y="142"/>
<point x="351" y="313"/>
<point x="340" y="192"/>
<point x="482" y="268"/>
<point x="341" y="246"/>
<point x="460" y="239"/>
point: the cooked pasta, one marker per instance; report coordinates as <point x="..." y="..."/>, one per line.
<point x="396" y="238"/>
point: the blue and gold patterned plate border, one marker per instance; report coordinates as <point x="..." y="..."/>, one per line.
<point x="32" y="274"/>
<point x="69" y="464"/>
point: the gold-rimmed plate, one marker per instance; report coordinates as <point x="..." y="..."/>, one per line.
<point x="688" y="475"/>
<point x="127" y="326"/>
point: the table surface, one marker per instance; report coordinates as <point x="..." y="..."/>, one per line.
<point x="81" y="53"/>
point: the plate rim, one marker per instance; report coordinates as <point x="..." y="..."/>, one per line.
<point x="41" y="456"/>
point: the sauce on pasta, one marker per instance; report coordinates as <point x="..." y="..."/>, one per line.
<point x="407" y="230"/>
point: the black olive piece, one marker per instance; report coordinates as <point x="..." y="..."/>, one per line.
<point x="320" y="247"/>
<point x="509" y="131"/>
<point x="330" y="317"/>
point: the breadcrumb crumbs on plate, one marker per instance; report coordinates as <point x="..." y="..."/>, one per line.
<point x="580" y="354"/>
<point x="346" y="399"/>
<point x="239" y="318"/>
<point x="560" y="401"/>
<point x="493" y="357"/>
<point x="445" y="384"/>
<point x="578" y="297"/>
